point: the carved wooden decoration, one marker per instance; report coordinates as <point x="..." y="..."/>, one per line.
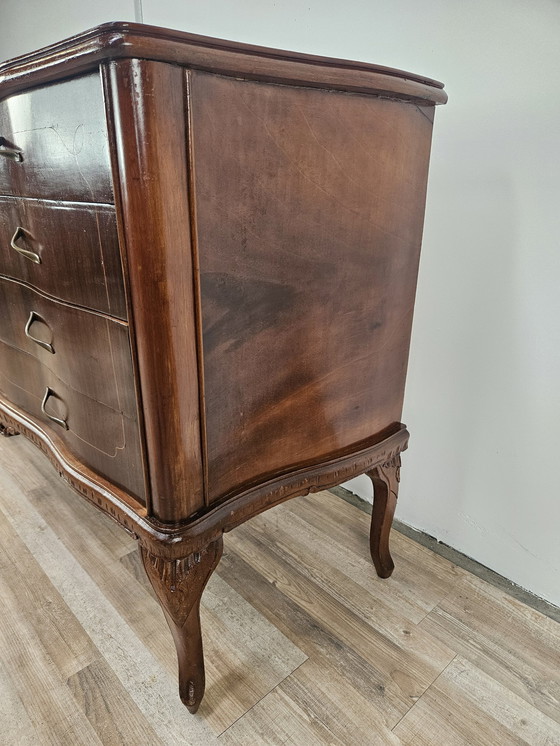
<point x="178" y="584"/>
<point x="7" y="431"/>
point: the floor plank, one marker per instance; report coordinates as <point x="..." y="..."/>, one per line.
<point x="466" y="707"/>
<point x="421" y="579"/>
<point x="114" y="716"/>
<point x="28" y="592"/>
<point x="150" y="686"/>
<point x="323" y="693"/>
<point x="324" y="648"/>
<point x="420" y="658"/>
<point x="278" y="719"/>
<point x="304" y="644"/>
<point x="516" y="645"/>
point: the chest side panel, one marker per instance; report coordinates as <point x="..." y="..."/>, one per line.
<point x="309" y="211"/>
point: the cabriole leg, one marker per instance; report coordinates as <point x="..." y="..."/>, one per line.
<point x="178" y="584"/>
<point x="385" y="478"/>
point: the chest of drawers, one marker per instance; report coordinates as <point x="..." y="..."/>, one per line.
<point x="208" y="260"/>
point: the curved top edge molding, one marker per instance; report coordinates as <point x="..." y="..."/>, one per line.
<point x="124" y="40"/>
<point x="199" y="529"/>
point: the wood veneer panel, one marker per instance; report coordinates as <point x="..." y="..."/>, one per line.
<point x="102" y="438"/>
<point x="309" y="212"/>
<point x="61" y="132"/>
<point x="78" y="247"/>
<point x="91" y="353"/>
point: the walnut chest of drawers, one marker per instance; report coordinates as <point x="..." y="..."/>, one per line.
<point x="208" y="260"/>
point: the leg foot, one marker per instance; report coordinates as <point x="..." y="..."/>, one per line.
<point x="178" y="584"/>
<point x="385" y="478"/>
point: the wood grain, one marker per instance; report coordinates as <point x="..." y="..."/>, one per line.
<point x="103" y="438"/>
<point x="113" y="715"/>
<point x="423" y="578"/>
<point x="78" y="248"/>
<point x="27" y="591"/>
<point x="307" y="279"/>
<point x="466" y="707"/>
<point x="516" y="646"/>
<point x="421" y="657"/>
<point x="90" y="353"/>
<point x="62" y="135"/>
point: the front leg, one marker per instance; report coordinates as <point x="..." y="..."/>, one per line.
<point x="178" y="584"/>
<point x="385" y="478"/>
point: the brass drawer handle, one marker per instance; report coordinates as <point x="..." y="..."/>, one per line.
<point x="48" y="393"/>
<point x="32" y="318"/>
<point x="9" y="152"/>
<point x="20" y="233"/>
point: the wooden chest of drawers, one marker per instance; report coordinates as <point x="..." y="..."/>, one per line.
<point x="208" y="260"/>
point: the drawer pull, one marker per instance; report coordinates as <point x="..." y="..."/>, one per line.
<point x="32" y="318"/>
<point x="9" y="152"/>
<point x="20" y="233"/>
<point x="48" y="393"/>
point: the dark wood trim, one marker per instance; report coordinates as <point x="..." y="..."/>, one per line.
<point x="126" y="40"/>
<point x="196" y="283"/>
<point x="151" y="169"/>
<point x="105" y="80"/>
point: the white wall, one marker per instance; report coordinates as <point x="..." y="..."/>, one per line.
<point x="483" y="400"/>
<point x="26" y="25"/>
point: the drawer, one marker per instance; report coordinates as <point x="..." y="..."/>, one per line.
<point x="68" y="250"/>
<point x="54" y="142"/>
<point x="105" y="440"/>
<point x="87" y="352"/>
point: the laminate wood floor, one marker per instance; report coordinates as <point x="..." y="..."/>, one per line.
<point x="304" y="644"/>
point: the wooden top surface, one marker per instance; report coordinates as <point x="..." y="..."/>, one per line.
<point x="121" y="39"/>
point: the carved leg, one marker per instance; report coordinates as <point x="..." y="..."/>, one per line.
<point x="385" y="478"/>
<point x="7" y="431"/>
<point x="178" y="585"/>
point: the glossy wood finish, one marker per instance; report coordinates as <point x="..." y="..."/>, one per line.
<point x="146" y="105"/>
<point x="90" y="353"/>
<point x="104" y="439"/>
<point x="269" y="223"/>
<point x="62" y="136"/>
<point x="131" y="40"/>
<point x="78" y="248"/>
<point x="307" y="279"/>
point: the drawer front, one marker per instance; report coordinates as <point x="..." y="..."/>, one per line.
<point x="105" y="440"/>
<point x="88" y="352"/>
<point x="54" y="142"/>
<point x="69" y="251"/>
